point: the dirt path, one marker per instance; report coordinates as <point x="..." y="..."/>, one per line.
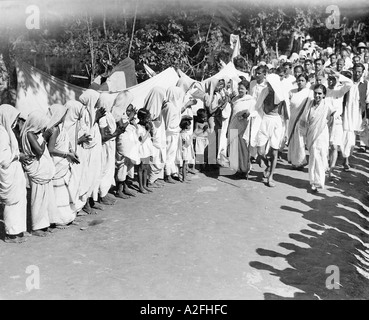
<point x="215" y="238"/>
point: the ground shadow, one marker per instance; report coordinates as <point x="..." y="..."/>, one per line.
<point x="337" y="236"/>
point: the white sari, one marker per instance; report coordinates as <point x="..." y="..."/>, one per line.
<point x="13" y="195"/>
<point x="40" y="172"/>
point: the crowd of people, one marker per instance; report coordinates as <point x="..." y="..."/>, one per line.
<point x="85" y="154"/>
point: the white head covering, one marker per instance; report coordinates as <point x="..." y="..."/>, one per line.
<point x="89" y="99"/>
<point x="121" y="103"/>
<point x="185" y="83"/>
<point x="275" y="82"/>
<point x="294" y="57"/>
<point x="154" y="101"/>
<point x="106" y="101"/>
<point x="56" y="113"/>
<point x="175" y="95"/>
<point x="72" y="117"/>
<point x="8" y="114"/>
<point x="36" y="121"/>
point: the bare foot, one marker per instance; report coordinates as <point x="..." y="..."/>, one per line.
<point x="27" y="234"/>
<point x="40" y="233"/>
<point x="148" y="189"/>
<point x="98" y="206"/>
<point x="88" y="211"/>
<point x="271" y="183"/>
<point x="170" y="180"/>
<point x="154" y="185"/>
<point x="128" y="193"/>
<point x="143" y="190"/>
<point x="121" y="195"/>
<point x="15" y="239"/>
<point x="108" y="201"/>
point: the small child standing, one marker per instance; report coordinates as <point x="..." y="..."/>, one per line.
<point x="144" y="133"/>
<point x="185" y="152"/>
<point x="200" y="134"/>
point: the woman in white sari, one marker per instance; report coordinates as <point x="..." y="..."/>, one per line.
<point x="154" y="102"/>
<point x="41" y="170"/>
<point x="77" y="136"/>
<point x="172" y="118"/>
<point x="242" y="106"/>
<point x="299" y="99"/>
<point x="314" y="122"/>
<point x="13" y="194"/>
<point x="92" y="175"/>
<point x="63" y="156"/>
<point x="108" y="132"/>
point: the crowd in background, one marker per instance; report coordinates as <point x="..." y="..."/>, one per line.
<point x="87" y="154"/>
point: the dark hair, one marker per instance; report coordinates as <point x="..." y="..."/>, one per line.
<point x="184" y="124"/>
<point x="321" y="86"/>
<point x="298" y="66"/>
<point x="263" y="69"/>
<point x="303" y="75"/>
<point x="279" y="70"/>
<point x="358" y="65"/>
<point x="319" y="59"/>
<point x="308" y="60"/>
<point x="244" y="83"/>
<point x="201" y="112"/>
<point x="347" y="74"/>
<point x="289" y="64"/>
<point x="332" y="54"/>
<point x="143" y="114"/>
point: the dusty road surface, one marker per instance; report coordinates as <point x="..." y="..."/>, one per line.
<point x="217" y="237"/>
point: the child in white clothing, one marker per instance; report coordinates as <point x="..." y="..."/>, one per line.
<point x="144" y="132"/>
<point x="185" y="152"/>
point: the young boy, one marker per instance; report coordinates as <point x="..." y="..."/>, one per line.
<point x="200" y="135"/>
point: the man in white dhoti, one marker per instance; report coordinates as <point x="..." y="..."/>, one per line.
<point x="13" y="195"/>
<point x="271" y="129"/>
<point x="355" y="112"/>
<point x="338" y="85"/>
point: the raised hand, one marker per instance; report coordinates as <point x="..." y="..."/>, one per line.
<point x="84" y="139"/>
<point x="99" y="114"/>
<point x="73" y="158"/>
